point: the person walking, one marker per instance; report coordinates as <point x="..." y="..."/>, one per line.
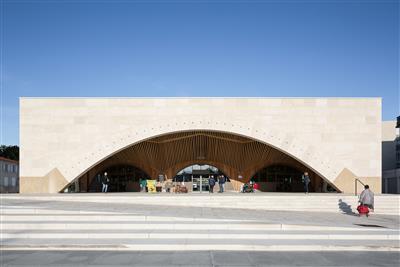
<point x="367" y="198"/>
<point x="212" y="183"/>
<point x="105" y="182"/>
<point x="221" y="183"/>
<point x="306" y="181"/>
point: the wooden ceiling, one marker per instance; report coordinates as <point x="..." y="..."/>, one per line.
<point x="232" y="154"/>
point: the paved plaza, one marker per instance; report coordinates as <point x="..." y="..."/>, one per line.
<point x="149" y="230"/>
<point x="198" y="258"/>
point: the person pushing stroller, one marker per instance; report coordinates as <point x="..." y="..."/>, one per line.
<point x="366" y="201"/>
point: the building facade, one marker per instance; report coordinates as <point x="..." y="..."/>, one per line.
<point x="72" y="141"/>
<point x="9" y="176"/>
<point x="391" y="157"/>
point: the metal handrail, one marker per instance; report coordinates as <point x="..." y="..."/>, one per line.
<point x="355" y="185"/>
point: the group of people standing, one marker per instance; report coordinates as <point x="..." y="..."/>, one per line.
<point x="155" y="186"/>
<point x="221" y="182"/>
<point x="168" y="185"/>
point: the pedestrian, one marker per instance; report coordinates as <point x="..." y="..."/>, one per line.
<point x="105" y="182"/>
<point x="168" y="185"/>
<point x="250" y="189"/>
<point x="367" y="198"/>
<point x="143" y="184"/>
<point x="306" y="181"/>
<point x="221" y="183"/>
<point x="256" y="187"/>
<point x="158" y="187"/>
<point x="212" y="183"/>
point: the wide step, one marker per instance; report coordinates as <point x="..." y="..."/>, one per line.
<point x="159" y="223"/>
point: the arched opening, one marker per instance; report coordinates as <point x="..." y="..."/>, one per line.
<point x="197" y="177"/>
<point x="241" y="159"/>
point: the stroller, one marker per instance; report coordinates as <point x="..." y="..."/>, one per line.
<point x="363" y="210"/>
<point x="248" y="188"/>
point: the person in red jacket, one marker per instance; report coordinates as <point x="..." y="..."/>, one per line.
<point x="256" y="187"/>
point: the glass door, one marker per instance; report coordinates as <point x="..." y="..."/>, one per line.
<point x="205" y="186"/>
<point x="196" y="179"/>
<point x="200" y="183"/>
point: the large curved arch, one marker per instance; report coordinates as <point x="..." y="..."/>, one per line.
<point x="294" y="148"/>
<point x="122" y="144"/>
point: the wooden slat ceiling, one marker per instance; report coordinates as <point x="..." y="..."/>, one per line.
<point x="170" y="153"/>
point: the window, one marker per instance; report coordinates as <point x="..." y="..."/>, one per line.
<point x="5" y="181"/>
<point x="13" y="181"/>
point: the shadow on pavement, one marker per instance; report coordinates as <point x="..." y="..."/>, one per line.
<point x="346" y="208"/>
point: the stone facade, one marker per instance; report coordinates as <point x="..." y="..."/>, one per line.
<point x="62" y="138"/>
<point x="389" y="136"/>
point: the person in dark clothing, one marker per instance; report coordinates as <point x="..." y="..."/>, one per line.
<point x="105" y="181"/>
<point x="306" y="181"/>
<point x="221" y="183"/>
<point x="212" y="183"/>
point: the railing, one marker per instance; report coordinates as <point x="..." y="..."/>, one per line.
<point x="355" y="185"/>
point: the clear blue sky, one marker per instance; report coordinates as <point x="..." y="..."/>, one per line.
<point x="198" y="48"/>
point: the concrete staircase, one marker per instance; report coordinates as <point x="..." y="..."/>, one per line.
<point x="234" y="222"/>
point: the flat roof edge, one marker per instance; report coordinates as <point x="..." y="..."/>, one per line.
<point x="200" y="97"/>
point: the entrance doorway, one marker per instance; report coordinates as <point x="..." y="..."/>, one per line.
<point x="200" y="181"/>
<point x="196" y="177"/>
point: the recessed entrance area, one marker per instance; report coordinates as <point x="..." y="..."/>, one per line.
<point x="197" y="177"/>
<point x="191" y="157"/>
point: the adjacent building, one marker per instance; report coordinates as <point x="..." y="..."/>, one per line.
<point x="391" y="157"/>
<point x="9" y="176"/>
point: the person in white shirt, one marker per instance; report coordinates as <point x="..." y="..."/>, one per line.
<point x="367" y="197"/>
